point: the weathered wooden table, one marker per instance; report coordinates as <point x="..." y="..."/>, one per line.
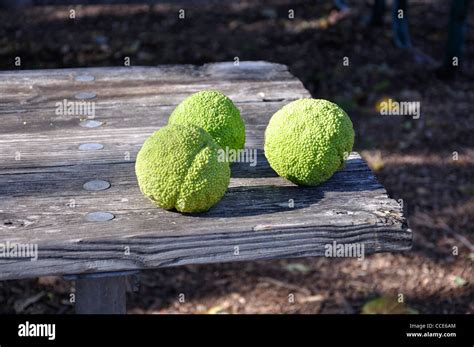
<point x="67" y="182"/>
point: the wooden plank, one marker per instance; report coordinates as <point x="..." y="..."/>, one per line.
<point x="150" y="94"/>
<point x="246" y="70"/>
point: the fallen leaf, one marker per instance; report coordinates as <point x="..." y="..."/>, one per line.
<point x="387" y="305"/>
<point x="374" y="159"/>
<point x="297" y="267"/>
<point x="459" y="281"/>
<point x="216" y="309"/>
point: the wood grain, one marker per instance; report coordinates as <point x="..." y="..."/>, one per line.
<point x="262" y="216"/>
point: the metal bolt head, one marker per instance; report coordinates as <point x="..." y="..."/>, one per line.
<point x="99" y="216"/>
<point x="95" y="185"/>
<point x="85" y="95"/>
<point x="90" y="123"/>
<point x="91" y="146"/>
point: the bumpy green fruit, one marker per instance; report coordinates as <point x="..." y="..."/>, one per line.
<point x="307" y="140"/>
<point x="178" y="168"/>
<point x="215" y="113"/>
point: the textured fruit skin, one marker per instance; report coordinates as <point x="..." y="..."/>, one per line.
<point x="215" y="113"/>
<point x="307" y="140"/>
<point x="177" y="168"/>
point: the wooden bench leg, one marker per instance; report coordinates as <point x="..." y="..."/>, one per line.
<point x="101" y="295"/>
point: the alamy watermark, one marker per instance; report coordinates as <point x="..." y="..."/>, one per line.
<point x="28" y="329"/>
<point x="246" y="155"/>
<point x="344" y="250"/>
<point x="19" y="250"/>
<point x="390" y="107"/>
<point x="75" y="108"/>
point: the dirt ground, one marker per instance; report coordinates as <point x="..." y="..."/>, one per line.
<point x="427" y="162"/>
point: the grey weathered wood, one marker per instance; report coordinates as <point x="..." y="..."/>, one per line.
<point x="42" y="144"/>
<point x="101" y="295"/>
<point x="131" y="103"/>
<point x="150" y="86"/>
<point x="43" y="200"/>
